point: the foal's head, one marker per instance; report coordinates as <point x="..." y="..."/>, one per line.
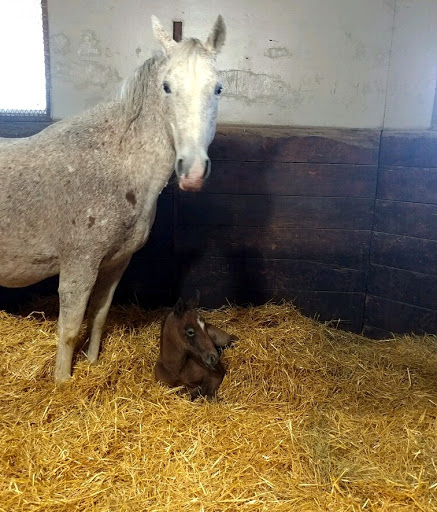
<point x="186" y="330"/>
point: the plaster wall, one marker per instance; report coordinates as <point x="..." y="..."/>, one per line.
<point x="340" y="63"/>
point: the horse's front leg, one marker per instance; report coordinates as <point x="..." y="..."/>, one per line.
<point x="99" y="304"/>
<point x="75" y="284"/>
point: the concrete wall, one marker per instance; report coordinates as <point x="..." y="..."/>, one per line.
<point x="340" y="63"/>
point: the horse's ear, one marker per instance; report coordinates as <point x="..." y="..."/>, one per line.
<point x="167" y="42"/>
<point x="217" y="37"/>
<point x="194" y="303"/>
<point x="180" y="307"/>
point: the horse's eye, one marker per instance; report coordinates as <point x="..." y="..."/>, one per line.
<point x="218" y="90"/>
<point x="190" y="332"/>
<point x="166" y="88"/>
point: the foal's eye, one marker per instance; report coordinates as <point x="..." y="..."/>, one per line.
<point x="218" y="90"/>
<point x="190" y="332"/>
<point x="166" y="88"/>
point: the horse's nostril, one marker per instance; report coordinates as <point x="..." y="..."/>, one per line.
<point x="179" y="167"/>
<point x="207" y="169"/>
<point x="213" y="360"/>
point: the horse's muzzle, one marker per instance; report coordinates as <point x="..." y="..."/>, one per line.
<point x="191" y="177"/>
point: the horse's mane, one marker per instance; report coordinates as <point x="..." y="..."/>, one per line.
<point x="135" y="88"/>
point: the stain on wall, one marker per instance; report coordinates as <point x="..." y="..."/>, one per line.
<point x="252" y="88"/>
<point x="89" y="45"/>
<point x="82" y="63"/>
<point x="60" y="44"/>
<point x="278" y="52"/>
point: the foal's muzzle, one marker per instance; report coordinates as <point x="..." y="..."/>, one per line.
<point x="191" y="175"/>
<point x="211" y="360"/>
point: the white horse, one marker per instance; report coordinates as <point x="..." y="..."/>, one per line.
<point x="79" y="198"/>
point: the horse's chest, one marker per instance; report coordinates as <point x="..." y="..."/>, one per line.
<point x="133" y="231"/>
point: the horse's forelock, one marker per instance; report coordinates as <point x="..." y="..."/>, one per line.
<point x="135" y="89"/>
<point x="140" y="80"/>
<point x="192" y="46"/>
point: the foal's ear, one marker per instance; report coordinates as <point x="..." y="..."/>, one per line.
<point x="167" y="42"/>
<point x="180" y="307"/>
<point x="217" y="37"/>
<point x="194" y="303"/>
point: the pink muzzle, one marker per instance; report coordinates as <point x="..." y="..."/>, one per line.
<point x="192" y="179"/>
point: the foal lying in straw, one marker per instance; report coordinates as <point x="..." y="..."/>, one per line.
<point x="188" y="354"/>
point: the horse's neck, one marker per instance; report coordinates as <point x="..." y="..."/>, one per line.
<point x="147" y="144"/>
<point x="172" y="358"/>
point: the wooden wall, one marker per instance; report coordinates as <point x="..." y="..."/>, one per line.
<point x="342" y="222"/>
<point x="287" y="214"/>
<point x="402" y="284"/>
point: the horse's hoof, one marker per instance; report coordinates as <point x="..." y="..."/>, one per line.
<point x="62" y="379"/>
<point x="92" y="357"/>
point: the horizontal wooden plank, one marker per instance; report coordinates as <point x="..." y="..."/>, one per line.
<point x="291" y="144"/>
<point x="416" y="148"/>
<point x="345" y="309"/>
<point x="408" y="219"/>
<point x="416" y="184"/>
<point x="397" y="251"/>
<point x="156" y="247"/>
<point x="403" y="286"/>
<point x="164" y="212"/>
<point x="147" y="298"/>
<point x="373" y="332"/>
<point x="277" y="274"/>
<point x="275" y="211"/>
<point x="148" y="282"/>
<point x="147" y="272"/>
<point x="398" y="317"/>
<point x="333" y="246"/>
<point x="329" y="180"/>
<point x="16" y="129"/>
<point x="16" y="300"/>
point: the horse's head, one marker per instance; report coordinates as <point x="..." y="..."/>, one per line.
<point x="190" y="88"/>
<point x="186" y="329"/>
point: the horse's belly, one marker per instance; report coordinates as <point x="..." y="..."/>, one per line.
<point x="132" y="243"/>
<point x="18" y="272"/>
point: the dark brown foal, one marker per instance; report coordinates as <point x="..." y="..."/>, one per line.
<point x="188" y="353"/>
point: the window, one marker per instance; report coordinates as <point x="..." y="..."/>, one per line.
<point x="24" y="62"/>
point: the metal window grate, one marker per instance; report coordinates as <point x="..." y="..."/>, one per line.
<point x="434" y="112"/>
<point x="35" y="115"/>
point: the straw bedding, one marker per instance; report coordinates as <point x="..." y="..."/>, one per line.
<point x="308" y="418"/>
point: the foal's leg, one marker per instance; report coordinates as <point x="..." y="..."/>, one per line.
<point x="211" y="381"/>
<point x="219" y="337"/>
<point x="75" y="285"/>
<point x="99" y="304"/>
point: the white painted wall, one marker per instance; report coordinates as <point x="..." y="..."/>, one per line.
<point x="344" y="63"/>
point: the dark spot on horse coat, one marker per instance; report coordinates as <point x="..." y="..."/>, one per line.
<point x="91" y="221"/>
<point x="130" y="196"/>
<point x="73" y="222"/>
